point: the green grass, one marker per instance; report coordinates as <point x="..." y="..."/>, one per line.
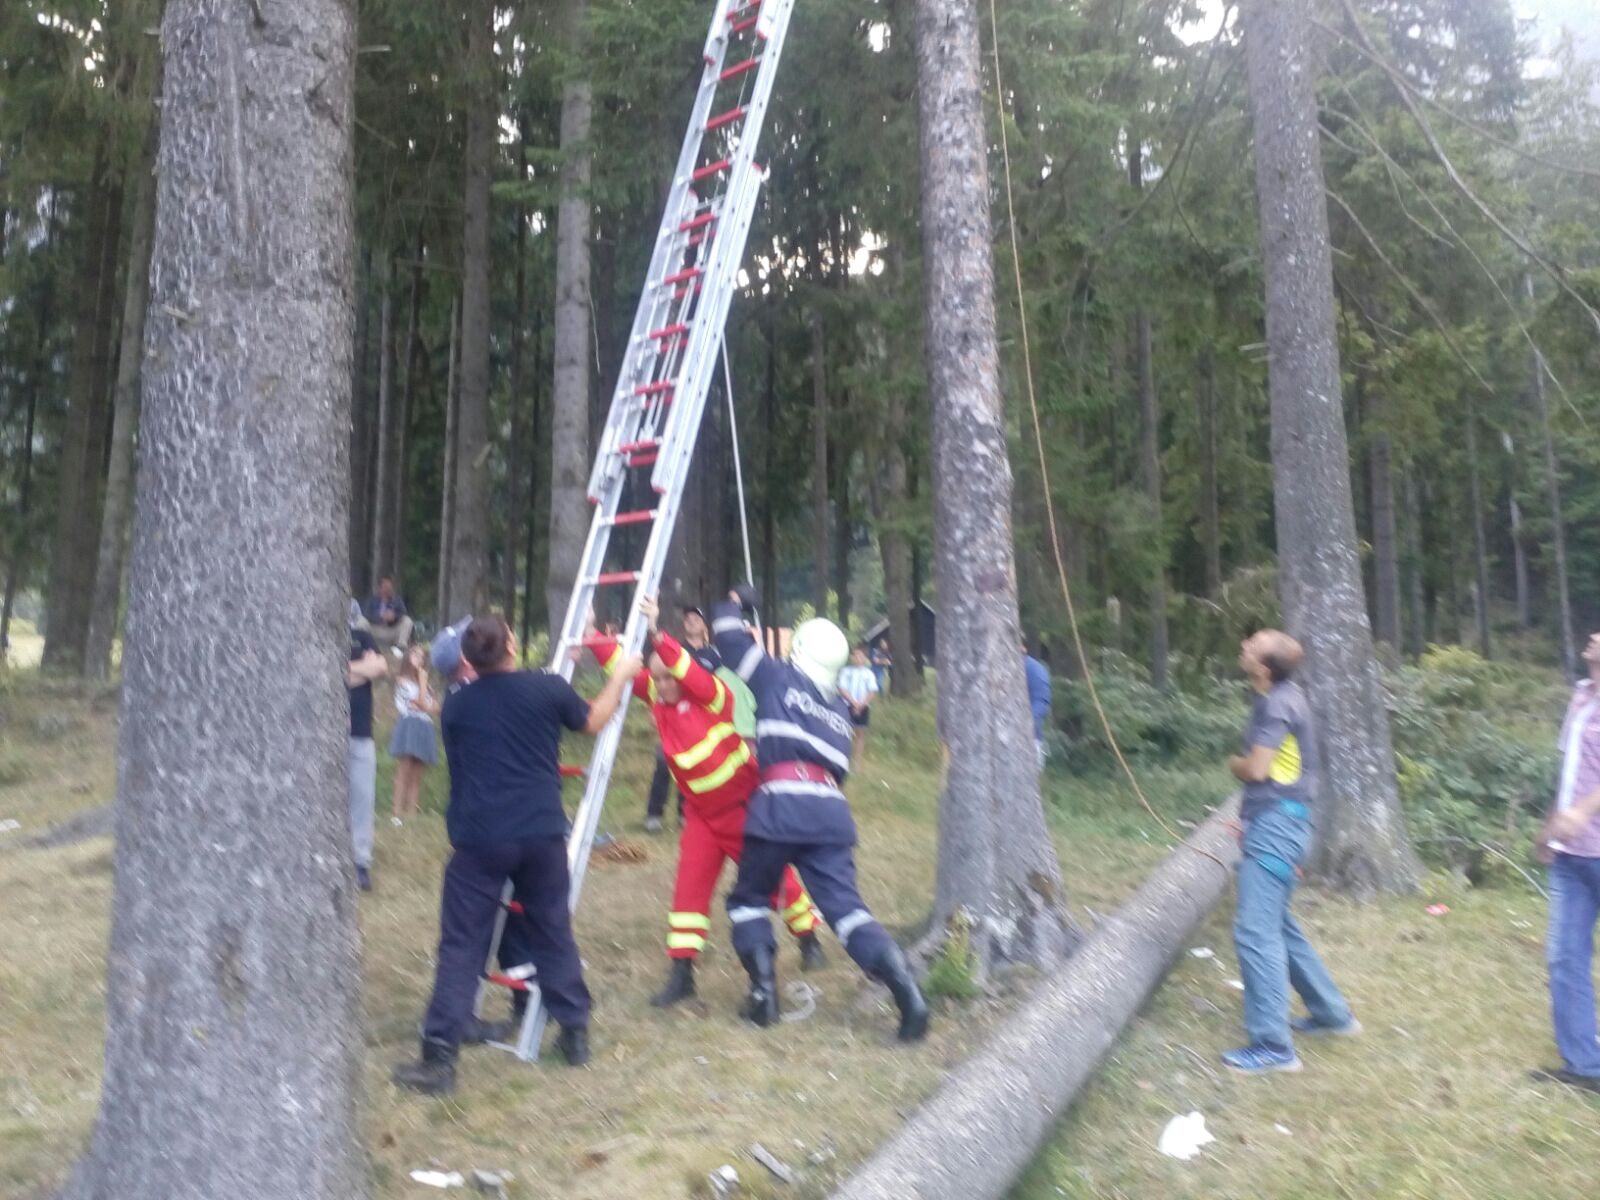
<point x="1430" y="1103"/>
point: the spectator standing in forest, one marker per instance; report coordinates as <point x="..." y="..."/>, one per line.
<point x="1570" y="844"/>
<point x="387" y="618"/>
<point x="1039" y="698"/>
<point x="882" y="661"/>
<point x="1278" y="769"/>
<point x="859" y="688"/>
<point x="365" y="665"/>
<point x="413" y="744"/>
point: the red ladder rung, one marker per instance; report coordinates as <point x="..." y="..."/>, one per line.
<point x="683" y="276"/>
<point x="710" y="169"/>
<point x="727" y="118"/>
<point x="611" y="577"/>
<point x="697" y="239"/>
<point x="684" y="291"/>
<point x="651" y="389"/>
<point x="641" y="460"/>
<point x="749" y="64"/>
<point x="514" y="906"/>
<point x="634" y="518"/>
<point x="734" y="13"/>
<point x="669" y="331"/>
<point x="697" y="222"/>
<point x="739" y="27"/>
<point x="572" y="771"/>
<point x="505" y="981"/>
<point x="642" y="444"/>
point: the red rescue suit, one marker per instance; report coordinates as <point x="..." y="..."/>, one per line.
<point x="716" y="771"/>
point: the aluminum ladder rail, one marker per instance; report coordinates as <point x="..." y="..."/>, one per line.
<point x="660" y="398"/>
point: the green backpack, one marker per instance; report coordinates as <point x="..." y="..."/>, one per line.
<point x="744" y="703"/>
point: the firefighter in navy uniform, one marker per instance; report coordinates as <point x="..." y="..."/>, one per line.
<point x="798" y="814"/>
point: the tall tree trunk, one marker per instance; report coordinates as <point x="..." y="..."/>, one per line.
<point x="1552" y="484"/>
<point x="408" y="400"/>
<point x="118" y="508"/>
<point x="1150" y="479"/>
<point x="996" y="863"/>
<point x="1385" y="535"/>
<point x="819" y="462"/>
<point x="769" y="516"/>
<point x="517" y="451"/>
<point x="1362" y="846"/>
<point x="449" y="607"/>
<point x="531" y="601"/>
<point x="82" y="455"/>
<point x="17" y="553"/>
<point x="895" y="547"/>
<point x="1480" y="542"/>
<point x="844" y="531"/>
<point x="361" y="418"/>
<point x="1210" y="521"/>
<point x="569" y="404"/>
<point x="1519" y="548"/>
<point x="1416" y="623"/>
<point x="233" y="1054"/>
<point x="469" y="554"/>
<point x="386" y="437"/>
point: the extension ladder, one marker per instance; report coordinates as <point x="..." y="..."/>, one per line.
<point x="663" y="383"/>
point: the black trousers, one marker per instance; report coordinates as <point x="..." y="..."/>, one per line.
<point x="659" y="783"/>
<point x="473" y="881"/>
<point x="829" y="873"/>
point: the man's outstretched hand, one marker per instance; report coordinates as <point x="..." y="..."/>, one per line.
<point x="651" y="611"/>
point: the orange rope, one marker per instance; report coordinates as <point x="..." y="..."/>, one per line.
<point x="1044" y="469"/>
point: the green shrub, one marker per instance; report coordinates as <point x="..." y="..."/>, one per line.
<point x="954" y="970"/>
<point x="1149" y="724"/>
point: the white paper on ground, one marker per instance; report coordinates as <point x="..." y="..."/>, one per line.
<point x="1203" y="952"/>
<point x="439" y="1179"/>
<point x="1183" y="1136"/>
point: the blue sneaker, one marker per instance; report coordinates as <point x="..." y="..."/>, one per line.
<point x="1305" y="1025"/>
<point x="1260" y="1060"/>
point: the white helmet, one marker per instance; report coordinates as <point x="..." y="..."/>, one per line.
<point x="819" y="649"/>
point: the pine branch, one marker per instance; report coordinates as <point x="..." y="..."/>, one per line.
<point x="1406" y="98"/>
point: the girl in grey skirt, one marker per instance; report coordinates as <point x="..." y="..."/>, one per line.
<point x="413" y="743"/>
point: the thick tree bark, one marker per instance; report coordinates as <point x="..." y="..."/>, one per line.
<point x="997" y="866"/>
<point x="1210" y="522"/>
<point x="362" y="502"/>
<point x="81" y="459"/>
<point x="233" y="1046"/>
<point x="449" y="607"/>
<point x="819" y="462"/>
<point x="975" y="1136"/>
<point x="569" y="404"/>
<point x="1480" y="541"/>
<point x="408" y="395"/>
<point x="469" y="554"/>
<point x="117" y="512"/>
<point x="385" y="439"/>
<point x="1362" y="846"/>
<point x="1385" y="534"/>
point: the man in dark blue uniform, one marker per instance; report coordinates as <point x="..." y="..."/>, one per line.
<point x="798" y="815"/>
<point x="502" y="736"/>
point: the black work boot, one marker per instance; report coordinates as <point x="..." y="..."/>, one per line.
<point x="811" y="956"/>
<point x="573" y="1042"/>
<point x="680" y="984"/>
<point x="894" y="971"/>
<point x="435" y="1074"/>
<point x="761" y="1006"/>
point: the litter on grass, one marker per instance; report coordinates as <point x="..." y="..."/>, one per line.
<point x="1203" y="952"/>
<point x="1183" y="1136"/>
<point x="1236" y="984"/>
<point x="1437" y="910"/>
<point x="8" y="825"/>
<point x="439" y="1179"/>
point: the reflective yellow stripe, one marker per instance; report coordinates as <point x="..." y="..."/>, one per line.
<point x="609" y="662"/>
<point x="708" y="783"/>
<point x="1286" y="763"/>
<point x="799" y="906"/>
<point x="686" y="941"/>
<point x="688" y="920"/>
<point x="804" y="923"/>
<point x="720" y="700"/>
<point x="680" y="668"/>
<point x="703" y="749"/>
<point x="650" y="689"/>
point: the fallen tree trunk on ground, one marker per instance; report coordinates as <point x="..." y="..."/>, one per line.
<point x="973" y="1138"/>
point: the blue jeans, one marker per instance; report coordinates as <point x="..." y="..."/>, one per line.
<point x="1273" y="954"/>
<point x="1569" y="952"/>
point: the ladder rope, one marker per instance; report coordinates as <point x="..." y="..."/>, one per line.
<point x="1044" y="468"/>
<point x="738" y="468"/>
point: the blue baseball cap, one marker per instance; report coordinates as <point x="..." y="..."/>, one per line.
<point x="446" y="649"/>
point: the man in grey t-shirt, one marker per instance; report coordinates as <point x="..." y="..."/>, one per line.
<point x="1278" y="770"/>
